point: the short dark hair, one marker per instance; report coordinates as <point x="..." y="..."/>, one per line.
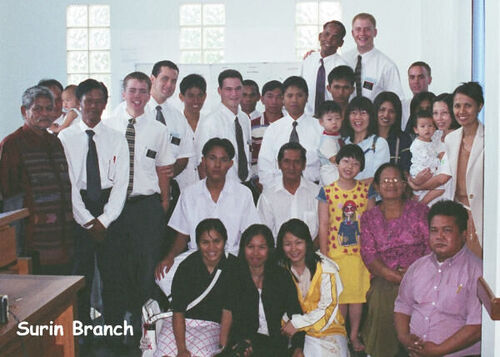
<point x="88" y="85"/>
<point x="140" y="76"/>
<point x="295" y="81"/>
<point x="50" y="83"/>
<point x="251" y="83"/>
<point x="447" y="99"/>
<point x="472" y="90"/>
<point x="210" y="224"/>
<point x="252" y="231"/>
<point x="229" y="73"/>
<point x="360" y="103"/>
<point x="300" y="230"/>
<point x="328" y="106"/>
<point x="421" y="64"/>
<point x="365" y="16"/>
<point x="392" y="98"/>
<point x="351" y="151"/>
<point x="339" y="24"/>
<point x="193" y="81"/>
<point x="450" y="209"/>
<point x="423" y="114"/>
<point x="341" y="72"/>
<point x="218" y="142"/>
<point x="292" y="146"/>
<point x="158" y="65"/>
<point x="272" y="85"/>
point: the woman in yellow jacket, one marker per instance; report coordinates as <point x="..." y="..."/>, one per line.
<point x="318" y="287"/>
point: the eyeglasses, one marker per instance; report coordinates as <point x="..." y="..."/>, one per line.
<point x="393" y="180"/>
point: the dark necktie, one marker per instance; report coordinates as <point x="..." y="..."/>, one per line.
<point x="357" y="76"/>
<point x="130" y="136"/>
<point x="242" y="157"/>
<point x="294" y="136"/>
<point x="159" y="115"/>
<point x="93" y="176"/>
<point x="320" y="87"/>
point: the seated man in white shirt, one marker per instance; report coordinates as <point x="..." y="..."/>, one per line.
<point x="375" y="71"/>
<point x="249" y="98"/>
<point x="318" y="64"/>
<point x="98" y="164"/>
<point x="216" y="196"/>
<point x="193" y="92"/>
<point x="291" y="197"/>
<point x="295" y="126"/>
<point x="138" y="234"/>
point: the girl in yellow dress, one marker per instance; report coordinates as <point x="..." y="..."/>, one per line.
<point x="340" y="207"/>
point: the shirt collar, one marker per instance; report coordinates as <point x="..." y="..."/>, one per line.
<point x="226" y="190"/>
<point x="228" y="114"/>
<point x="453" y="259"/>
<point x="96" y="129"/>
<point x="280" y="187"/>
<point x="298" y="120"/>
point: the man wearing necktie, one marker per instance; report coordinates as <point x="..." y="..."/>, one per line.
<point x="229" y="122"/>
<point x="98" y="165"/>
<point x="317" y="65"/>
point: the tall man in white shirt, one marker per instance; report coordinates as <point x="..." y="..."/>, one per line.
<point x="317" y="65"/>
<point x="98" y="165"/>
<point x="419" y="79"/>
<point x="291" y="197"/>
<point x="163" y="81"/>
<point x="138" y="233"/>
<point x="229" y="122"/>
<point x="193" y="92"/>
<point x="375" y="72"/>
<point x="216" y="196"/>
<point x="295" y="126"/>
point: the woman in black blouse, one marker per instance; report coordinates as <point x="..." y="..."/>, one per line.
<point x="201" y="330"/>
<point x="264" y="293"/>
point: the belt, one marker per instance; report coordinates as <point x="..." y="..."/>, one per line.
<point x="139" y="198"/>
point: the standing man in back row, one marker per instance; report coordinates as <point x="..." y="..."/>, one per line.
<point x="318" y="65"/>
<point x="374" y="71"/>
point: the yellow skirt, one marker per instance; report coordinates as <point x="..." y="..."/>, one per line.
<point x="355" y="279"/>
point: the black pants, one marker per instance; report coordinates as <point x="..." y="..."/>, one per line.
<point x="86" y="252"/>
<point x="135" y="242"/>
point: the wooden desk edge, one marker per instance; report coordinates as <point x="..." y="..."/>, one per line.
<point x="11" y="216"/>
<point x="490" y="302"/>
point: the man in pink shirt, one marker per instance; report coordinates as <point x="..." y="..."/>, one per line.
<point x="437" y="311"/>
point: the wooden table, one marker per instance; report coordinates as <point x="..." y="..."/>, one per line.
<point x="38" y="300"/>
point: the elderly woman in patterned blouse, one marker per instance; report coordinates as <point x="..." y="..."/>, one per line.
<point x="393" y="235"/>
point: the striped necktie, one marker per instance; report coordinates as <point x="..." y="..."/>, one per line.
<point x="130" y="136"/>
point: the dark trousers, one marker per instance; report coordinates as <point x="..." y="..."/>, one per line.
<point x="135" y="241"/>
<point x="87" y="250"/>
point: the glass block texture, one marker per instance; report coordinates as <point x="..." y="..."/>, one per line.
<point x="213" y="37"/>
<point x="190" y="15"/>
<point x="99" y="39"/>
<point x="76" y="16"/>
<point x="214" y="14"/>
<point x="190" y="38"/>
<point x="99" y="16"/>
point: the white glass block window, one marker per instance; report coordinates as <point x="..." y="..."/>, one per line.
<point x="88" y="43"/>
<point x="309" y="19"/>
<point x="202" y="33"/>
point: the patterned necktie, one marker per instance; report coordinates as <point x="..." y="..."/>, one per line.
<point x="357" y="76"/>
<point x="242" y="157"/>
<point x="93" y="175"/>
<point x="130" y="136"/>
<point x="294" y="136"/>
<point x="320" y="87"/>
<point x="159" y="115"/>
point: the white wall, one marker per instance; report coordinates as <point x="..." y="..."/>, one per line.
<point x="32" y="39"/>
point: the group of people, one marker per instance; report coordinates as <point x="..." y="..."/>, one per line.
<point x="323" y="198"/>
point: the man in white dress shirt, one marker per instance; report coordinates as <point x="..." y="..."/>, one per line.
<point x="377" y="72"/>
<point x="216" y="196"/>
<point x="229" y="122"/>
<point x="291" y="197"/>
<point x="139" y="231"/>
<point x="419" y="79"/>
<point x="98" y="165"/>
<point x="249" y="98"/>
<point x="319" y="64"/>
<point x="295" y="126"/>
<point x="193" y="92"/>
